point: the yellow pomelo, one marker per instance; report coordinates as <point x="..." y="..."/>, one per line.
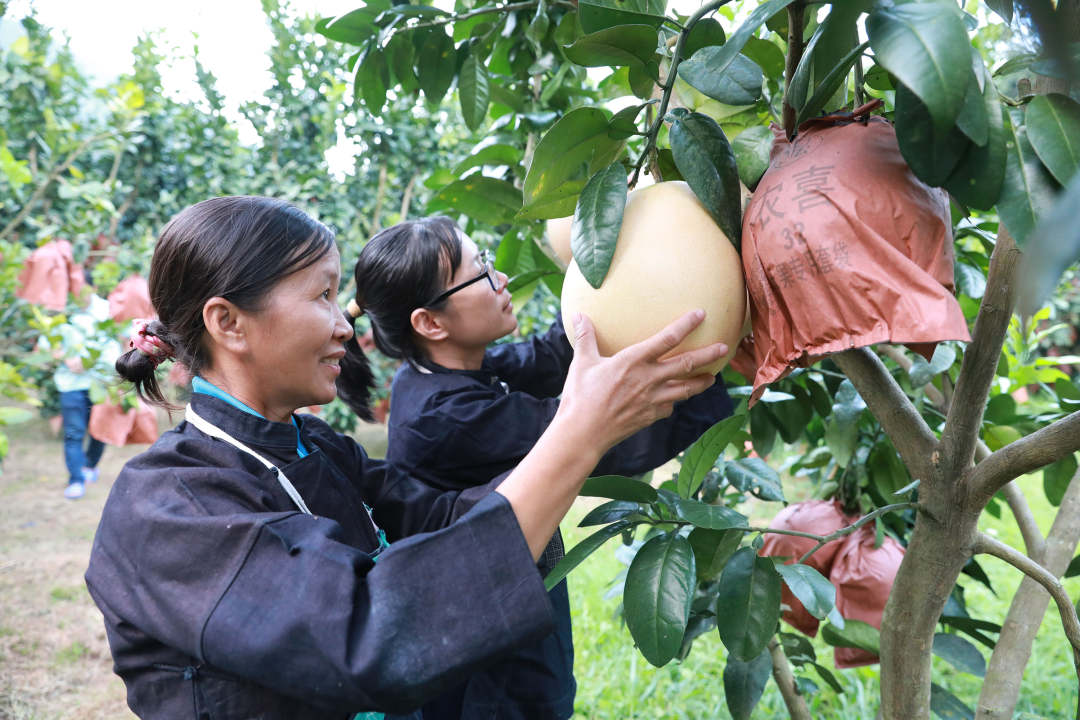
<point x="670" y="258"/>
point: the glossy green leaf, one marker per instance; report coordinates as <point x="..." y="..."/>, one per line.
<point x="706" y="33"/>
<point x="539" y="25"/>
<point x="490" y="156"/>
<point x="1028" y="191"/>
<point x="1004" y="8"/>
<point x="810" y="587"/>
<point x="730" y="50"/>
<point x="748" y="604"/>
<point x="523" y="280"/>
<point x="614" y="47"/>
<point x="704" y="157"/>
<point x="830" y="84"/>
<point x="1052" y="247"/>
<point x="568" y="154"/>
<point x="355" y="27"/>
<point x="738" y="84"/>
<point x="977" y="179"/>
<point x="829" y="47"/>
<point x="798" y="648"/>
<point x="598" y="15"/>
<point x="878" y="78"/>
<point x="925" y="45"/>
<point x="700" y="457"/>
<point x="597" y="222"/>
<point x="624" y="123"/>
<point x="372" y="78"/>
<point x="947" y="706"/>
<point x="659" y="588"/>
<point x="931" y="153"/>
<point x="974" y="118"/>
<point x="744" y="682"/>
<point x="485" y="199"/>
<point x="400" y="54"/>
<point x="582" y="550"/>
<point x="610" y="512"/>
<point x="618" y="487"/>
<point x="751" y="148"/>
<point x="827" y="675"/>
<point x="959" y="653"/>
<point x="710" y="517"/>
<point x="436" y="66"/>
<point x="1057" y="477"/>
<point x="1053" y="128"/>
<point x="1074" y="567"/>
<point x="973" y="628"/>
<point x="502" y="96"/>
<point x="712" y="550"/>
<point x="473" y="92"/>
<point x="855" y="633"/>
<point x="752" y="475"/>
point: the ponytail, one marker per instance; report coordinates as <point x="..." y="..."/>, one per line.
<point x="356" y="381"/>
<point x="149" y="348"/>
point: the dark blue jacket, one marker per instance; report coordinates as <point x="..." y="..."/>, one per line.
<point x="454" y="428"/>
<point x="222" y="601"/>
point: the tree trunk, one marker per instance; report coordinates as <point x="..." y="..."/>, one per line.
<point x="1001" y="688"/>
<point x="940" y="545"/>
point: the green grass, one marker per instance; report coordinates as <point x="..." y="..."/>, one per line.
<point x="70" y="654"/>
<point x="616" y="683"/>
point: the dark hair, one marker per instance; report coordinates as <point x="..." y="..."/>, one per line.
<point x="400" y="269"/>
<point x="236" y="248"/>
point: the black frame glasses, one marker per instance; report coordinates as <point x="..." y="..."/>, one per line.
<point x="489" y="273"/>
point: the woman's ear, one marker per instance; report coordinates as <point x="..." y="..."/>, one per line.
<point x="427" y="325"/>
<point x="224" y="325"/>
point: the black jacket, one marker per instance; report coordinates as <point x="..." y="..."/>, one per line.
<point x="455" y="428"/>
<point x="222" y="601"/>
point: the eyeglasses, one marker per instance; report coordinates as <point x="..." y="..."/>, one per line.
<point x="485" y="260"/>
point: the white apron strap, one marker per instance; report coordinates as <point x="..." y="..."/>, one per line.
<point x="214" y="431"/>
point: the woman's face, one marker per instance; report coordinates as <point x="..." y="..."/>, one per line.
<point x="477" y="315"/>
<point x="298" y="338"/>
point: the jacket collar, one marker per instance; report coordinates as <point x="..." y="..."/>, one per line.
<point x="245" y="427"/>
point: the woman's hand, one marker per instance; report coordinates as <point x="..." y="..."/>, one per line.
<point x="614" y="397"/>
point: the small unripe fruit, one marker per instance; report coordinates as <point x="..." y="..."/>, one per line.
<point x="670" y="258"/>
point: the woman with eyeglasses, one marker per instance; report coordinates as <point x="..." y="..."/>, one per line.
<point x="239" y="563"/>
<point x="461" y="411"/>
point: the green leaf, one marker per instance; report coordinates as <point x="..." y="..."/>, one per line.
<point x="1056" y="479"/>
<point x="712" y="550"/>
<point x="1004" y="8"/>
<point x="700" y="457"/>
<point x="628" y="45"/>
<point x="609" y="512"/>
<point x="751" y="148"/>
<point x="1052" y="247"/>
<point x="567" y="155"/>
<point x="597" y="222"/>
<point x="855" y="633"/>
<point x="1028" y="191"/>
<point x="14" y="415"/>
<point x="490" y="156"/>
<point x="473" y="92"/>
<point x="502" y="96"/>
<point x="719" y="62"/>
<point x="354" y="27"/>
<point x="600" y="14"/>
<point x="933" y="154"/>
<point x="400" y="54"/>
<point x="704" y="157"/>
<point x="947" y="706"/>
<point x="706" y="33"/>
<point x="830" y="84"/>
<point x="830" y="679"/>
<point x="624" y="123"/>
<point x="582" y="550"/>
<point x="816" y="593"/>
<point x="538" y="26"/>
<point x="659" y="588"/>
<point x="925" y="45"/>
<point x="618" y="487"/>
<point x="485" y="199"/>
<point x="1072" y="571"/>
<point x="1053" y="128"/>
<point x="710" y="517"/>
<point x="974" y="119"/>
<point x="437" y="65"/>
<point x="754" y="476"/>
<point x="973" y="628"/>
<point x="373" y="77"/>
<point x="977" y="178"/>
<point x="959" y="653"/>
<point x="738" y="84"/>
<point x="767" y="55"/>
<point x="748" y="604"/>
<point x="744" y="682"/>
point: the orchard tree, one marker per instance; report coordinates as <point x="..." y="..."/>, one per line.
<point x="983" y="98"/>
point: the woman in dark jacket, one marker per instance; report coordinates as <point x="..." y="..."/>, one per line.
<point x="461" y="412"/>
<point x="239" y="563"/>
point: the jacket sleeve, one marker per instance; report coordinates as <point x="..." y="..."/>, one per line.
<point x="279" y="599"/>
<point x="652" y="447"/>
<point x="538" y="365"/>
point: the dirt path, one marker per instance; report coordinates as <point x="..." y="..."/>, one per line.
<point x="54" y="658"/>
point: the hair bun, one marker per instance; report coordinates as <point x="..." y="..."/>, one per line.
<point x="354" y="309"/>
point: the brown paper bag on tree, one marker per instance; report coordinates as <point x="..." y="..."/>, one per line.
<point x="130" y="299"/>
<point x="112" y="424"/>
<point x="50" y="273"/>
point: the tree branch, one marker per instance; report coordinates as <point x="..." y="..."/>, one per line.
<point x="796" y="15"/>
<point x="1042" y="447"/>
<point x="984" y="544"/>
<point x="910" y="434"/>
<point x="785" y="680"/>
<point x="981" y="358"/>
<point x="1018" y="504"/>
<point x="894" y="353"/>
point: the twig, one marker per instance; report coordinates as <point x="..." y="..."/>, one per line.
<point x="473" y="13"/>
<point x="852" y="528"/>
<point x="907" y="429"/>
<point x="984" y="544"/>
<point x="980" y="359"/>
<point x="796" y="12"/>
<point x="1042" y="447"/>
<point x="897" y="355"/>
<point x="785" y="680"/>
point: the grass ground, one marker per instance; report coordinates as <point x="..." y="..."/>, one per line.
<point x="55" y="663"/>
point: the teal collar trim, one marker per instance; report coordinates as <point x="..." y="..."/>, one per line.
<point x="200" y="385"/>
